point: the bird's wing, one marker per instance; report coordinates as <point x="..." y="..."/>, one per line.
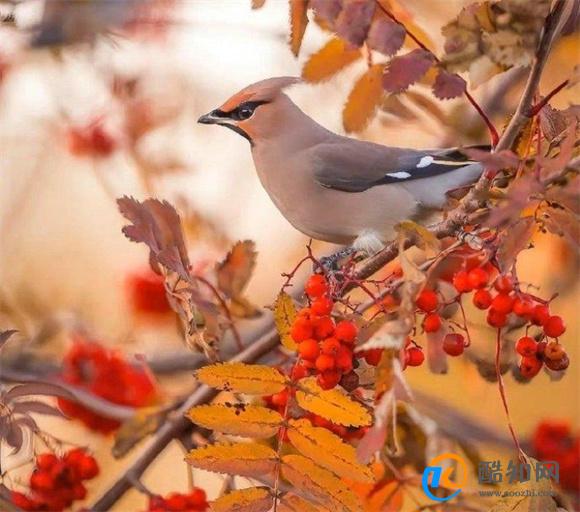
<point x="354" y="166"/>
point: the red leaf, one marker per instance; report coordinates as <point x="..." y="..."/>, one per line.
<point x="448" y="85"/>
<point x="386" y="36"/>
<point x="354" y="21"/>
<point x="327" y="10"/>
<point x="404" y="71"/>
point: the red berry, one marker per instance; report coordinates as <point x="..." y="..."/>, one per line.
<point x="46" y="461"/>
<point x="88" y="468"/>
<point x="496" y="318"/>
<point x="301" y="330"/>
<point x="79" y="491"/>
<point x="523" y="307"/>
<point x="146" y="293"/>
<point x="554" y="351"/>
<point x="527" y="346"/>
<point x="540" y="314"/>
<point x="503" y="303"/>
<point x="41" y="481"/>
<point x="343" y="359"/>
<point x="530" y="367"/>
<point x="373" y="356"/>
<point x="325" y="362"/>
<point x="346" y="331"/>
<point x="454" y="344"/>
<point x="504" y="284"/>
<point x="414" y="356"/>
<point x="478" y="278"/>
<point x="322" y="306"/>
<point x="427" y="301"/>
<point x="558" y="364"/>
<point x="432" y="322"/>
<point x="197" y="499"/>
<point x="176" y="501"/>
<point x="541" y="348"/>
<point x="21" y="501"/>
<point x="316" y="286"/>
<point x="323" y="327"/>
<point x="330" y="346"/>
<point x="299" y="372"/>
<point x="482" y="299"/>
<point x="554" y="326"/>
<point x="461" y="282"/>
<point x="309" y="349"/>
<point x="328" y="379"/>
<point x="280" y="399"/>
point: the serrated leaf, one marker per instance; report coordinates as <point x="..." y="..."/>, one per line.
<point x="252" y="379"/>
<point x="237" y="419"/>
<point x="331" y="404"/>
<point x="234" y="272"/>
<point x="329" y="60"/>
<point x="363" y="100"/>
<point x="298" y="23"/>
<point x="448" y="85"/>
<point x="322" y="485"/>
<point x="327" y="450"/>
<point x="294" y="503"/>
<point x="514" y="240"/>
<point x="252" y="499"/>
<point x="354" y="20"/>
<point x="386" y="36"/>
<point x="243" y="459"/>
<point x="562" y="223"/>
<point x="284" y="315"/>
<point x="403" y="71"/>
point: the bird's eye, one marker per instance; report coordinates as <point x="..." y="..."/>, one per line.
<point x="245" y="113"/>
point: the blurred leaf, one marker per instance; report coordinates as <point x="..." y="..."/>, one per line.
<point x="562" y="223"/>
<point x="329" y="60"/>
<point x="327" y="10"/>
<point x="252" y="379"/>
<point x="354" y="21"/>
<point x="258" y="4"/>
<point x="567" y="195"/>
<point x="294" y="503"/>
<point x="5" y="336"/>
<point x="37" y="388"/>
<point x="146" y="421"/>
<point x="27" y="407"/>
<point x="298" y="23"/>
<point x="242" y="308"/>
<point x="427" y="105"/>
<point x="237" y="419"/>
<point x="422" y="237"/>
<point x="234" y="272"/>
<point x="392" y="104"/>
<point x="14" y="436"/>
<point x="321" y="484"/>
<point x="512" y="241"/>
<point x="436" y="356"/>
<point x="403" y="71"/>
<point x="327" y="450"/>
<point x="244" y="459"/>
<point x="252" y="499"/>
<point x="157" y="225"/>
<point x="284" y="315"/>
<point x="363" y="100"/>
<point x="331" y="404"/>
<point x="448" y="85"/>
<point x="531" y="496"/>
<point x="386" y="36"/>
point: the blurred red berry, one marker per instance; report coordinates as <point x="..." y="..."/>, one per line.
<point x="316" y="286"/>
<point x="322" y="306"/>
<point x="41" y="481"/>
<point x="197" y="499"/>
<point x="21" y="501"/>
<point x="504" y="284"/>
<point x="554" y="326"/>
<point x="503" y="303"/>
<point x="414" y="356"/>
<point x="540" y="314"/>
<point x="432" y="322"/>
<point x="309" y="349"/>
<point x="496" y="318"/>
<point x="299" y="372"/>
<point x="478" y="278"/>
<point x="373" y="356"/>
<point x="461" y="282"/>
<point x="526" y="346"/>
<point x="482" y="299"/>
<point x="325" y="362"/>
<point x="88" y="467"/>
<point x="523" y="306"/>
<point x="146" y="293"/>
<point x="330" y="346"/>
<point x="46" y="461"/>
<point x="302" y="329"/>
<point x="454" y="344"/>
<point x="343" y="359"/>
<point x="427" y="301"/>
<point x="323" y="327"/>
<point x="346" y="331"/>
<point x="530" y="367"/>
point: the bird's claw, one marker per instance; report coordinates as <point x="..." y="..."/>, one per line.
<point x="333" y="262"/>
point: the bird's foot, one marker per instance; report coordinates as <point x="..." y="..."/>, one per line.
<point x="333" y="262"/>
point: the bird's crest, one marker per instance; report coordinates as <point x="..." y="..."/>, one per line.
<point x="265" y="90"/>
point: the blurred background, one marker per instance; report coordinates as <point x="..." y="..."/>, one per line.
<point x="64" y="263"/>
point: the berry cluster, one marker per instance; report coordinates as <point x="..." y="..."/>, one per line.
<point x="195" y="501"/>
<point x="146" y="293"/>
<point x="555" y="441"/>
<point x="56" y="482"/>
<point x="105" y="373"/>
<point x="325" y="347"/>
<point x="500" y="297"/>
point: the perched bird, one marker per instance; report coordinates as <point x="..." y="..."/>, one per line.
<point x="336" y="188"/>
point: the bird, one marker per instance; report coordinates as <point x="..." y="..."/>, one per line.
<point x="332" y="187"/>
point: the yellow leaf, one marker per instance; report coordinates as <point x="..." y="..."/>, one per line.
<point x="237" y="419"/>
<point x="294" y="503"/>
<point x="322" y="485"/>
<point x="329" y="60"/>
<point x="327" y="450"/>
<point x="298" y="23"/>
<point x="252" y="499"/>
<point x="284" y="315"/>
<point x="363" y="100"/>
<point x="331" y="404"/>
<point x="252" y="379"/>
<point x="244" y="459"/>
<point x="420" y="234"/>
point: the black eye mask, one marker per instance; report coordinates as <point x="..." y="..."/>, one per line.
<point x="244" y="111"/>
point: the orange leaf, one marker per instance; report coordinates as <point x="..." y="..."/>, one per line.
<point x="244" y="459"/>
<point x="298" y="23"/>
<point x="234" y="272"/>
<point x="253" y="379"/>
<point x="294" y="503"/>
<point x="252" y="499"/>
<point x="329" y="60"/>
<point x="363" y="100"/>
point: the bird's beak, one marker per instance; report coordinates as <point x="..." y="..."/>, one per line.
<point x="212" y="117"/>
